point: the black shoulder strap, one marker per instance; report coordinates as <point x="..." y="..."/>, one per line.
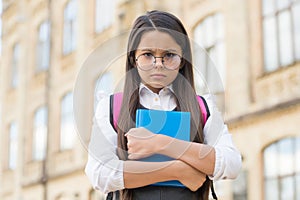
<point x="111" y="195"/>
<point x="213" y="193"/>
<point x="111" y="111"/>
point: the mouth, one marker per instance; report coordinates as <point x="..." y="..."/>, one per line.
<point x="157" y="76"/>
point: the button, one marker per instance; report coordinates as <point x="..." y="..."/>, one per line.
<point x="156" y="99"/>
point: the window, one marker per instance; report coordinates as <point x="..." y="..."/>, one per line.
<point x="70" y="17"/>
<point x="104" y="14"/>
<point x="13" y="146"/>
<point x="209" y="34"/>
<point x="43" y="47"/>
<point x="282" y="169"/>
<point x="40" y="131"/>
<point x="67" y="128"/>
<point x="281" y="33"/>
<point x="103" y="87"/>
<point x="15" y="66"/>
<point x="240" y="186"/>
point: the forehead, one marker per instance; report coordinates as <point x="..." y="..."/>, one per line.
<point x="158" y="40"/>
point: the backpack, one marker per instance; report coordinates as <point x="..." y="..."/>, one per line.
<point x="116" y="101"/>
<point x="115" y="108"/>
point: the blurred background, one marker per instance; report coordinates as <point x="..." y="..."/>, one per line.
<point x="254" y="46"/>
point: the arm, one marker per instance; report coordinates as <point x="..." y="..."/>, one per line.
<point x="228" y="160"/>
<point x="138" y="174"/>
<point x="107" y="173"/>
<point x="103" y="168"/>
<point x="200" y="156"/>
<point x="218" y="157"/>
<point x="143" y="143"/>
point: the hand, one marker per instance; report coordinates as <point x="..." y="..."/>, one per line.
<point x="189" y="176"/>
<point x="141" y="143"/>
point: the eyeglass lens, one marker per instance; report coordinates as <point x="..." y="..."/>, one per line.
<point x="147" y="61"/>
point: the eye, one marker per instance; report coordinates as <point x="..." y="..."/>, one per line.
<point x="148" y="55"/>
<point x="169" y="55"/>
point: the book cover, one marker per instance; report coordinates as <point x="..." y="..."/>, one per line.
<point x="175" y="124"/>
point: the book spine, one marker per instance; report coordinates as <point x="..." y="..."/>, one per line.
<point x="137" y="118"/>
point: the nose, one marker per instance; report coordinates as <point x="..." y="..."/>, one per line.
<point x="159" y="63"/>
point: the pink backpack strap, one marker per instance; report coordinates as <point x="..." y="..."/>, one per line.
<point x="116" y="102"/>
<point x="115" y="108"/>
<point x="204" y="108"/>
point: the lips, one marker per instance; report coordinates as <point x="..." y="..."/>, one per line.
<point x="157" y="76"/>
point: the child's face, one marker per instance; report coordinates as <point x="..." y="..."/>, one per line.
<point x="158" y="44"/>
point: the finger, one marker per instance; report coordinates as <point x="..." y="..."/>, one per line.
<point x="128" y="144"/>
<point x="136" y="156"/>
<point x="131" y="157"/>
<point x="128" y="133"/>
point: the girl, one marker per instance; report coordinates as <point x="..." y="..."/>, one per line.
<point x="159" y="75"/>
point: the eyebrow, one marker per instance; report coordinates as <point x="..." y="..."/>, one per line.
<point x="153" y="50"/>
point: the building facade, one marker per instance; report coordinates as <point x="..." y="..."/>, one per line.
<point x="57" y="53"/>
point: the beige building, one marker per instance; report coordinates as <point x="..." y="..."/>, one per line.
<point x="50" y="53"/>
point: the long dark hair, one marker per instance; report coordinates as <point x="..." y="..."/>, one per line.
<point x="183" y="85"/>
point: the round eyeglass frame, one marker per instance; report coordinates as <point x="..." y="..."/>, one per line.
<point x="154" y="62"/>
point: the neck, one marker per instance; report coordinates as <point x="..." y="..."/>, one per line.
<point x="153" y="89"/>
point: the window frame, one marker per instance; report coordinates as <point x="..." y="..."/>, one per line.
<point x="43" y="46"/>
<point x="13" y="143"/>
<point x="275" y="16"/>
<point x="277" y="176"/>
<point x="15" y="61"/>
<point x="35" y="131"/>
<point x="70" y="27"/>
<point x="217" y="41"/>
<point x="108" y="13"/>
<point x="66" y="115"/>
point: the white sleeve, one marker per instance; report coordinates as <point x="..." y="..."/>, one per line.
<point x="103" y="168"/>
<point x="228" y="159"/>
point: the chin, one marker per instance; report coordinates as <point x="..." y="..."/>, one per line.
<point x="157" y="86"/>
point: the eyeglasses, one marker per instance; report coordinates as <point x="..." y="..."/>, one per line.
<point x="147" y="61"/>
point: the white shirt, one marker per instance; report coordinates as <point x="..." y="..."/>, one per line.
<point x="105" y="170"/>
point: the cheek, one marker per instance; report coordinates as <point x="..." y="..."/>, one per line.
<point x="173" y="75"/>
<point x="143" y="75"/>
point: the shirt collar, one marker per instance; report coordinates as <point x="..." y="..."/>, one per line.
<point x="143" y="88"/>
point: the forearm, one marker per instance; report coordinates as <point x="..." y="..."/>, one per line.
<point x="138" y="174"/>
<point x="199" y="156"/>
<point x="142" y="143"/>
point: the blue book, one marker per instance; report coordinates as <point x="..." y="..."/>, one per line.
<point x="171" y="123"/>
